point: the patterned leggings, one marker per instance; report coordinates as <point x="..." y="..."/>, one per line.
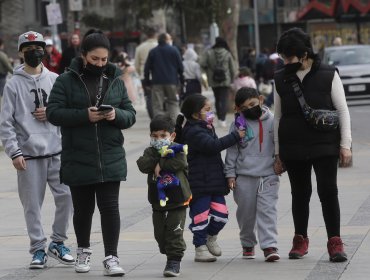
<point x="208" y="215"/>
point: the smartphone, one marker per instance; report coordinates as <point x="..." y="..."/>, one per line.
<point x="104" y="108"/>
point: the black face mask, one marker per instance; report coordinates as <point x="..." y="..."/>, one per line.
<point x="33" y="58"/>
<point x="253" y="113"/>
<point x="292" y="68"/>
<point x="94" y="69"/>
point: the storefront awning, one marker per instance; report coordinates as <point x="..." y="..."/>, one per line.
<point x="317" y="9"/>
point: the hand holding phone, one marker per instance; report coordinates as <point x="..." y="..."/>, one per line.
<point x="103" y="108"/>
<point x="102" y="112"/>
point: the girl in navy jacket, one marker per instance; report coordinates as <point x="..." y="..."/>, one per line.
<point x="207" y="180"/>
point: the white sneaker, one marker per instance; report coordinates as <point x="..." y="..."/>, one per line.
<point x="213" y="246"/>
<point x="111" y="266"/>
<point x="82" y="263"/>
<point x="203" y="255"/>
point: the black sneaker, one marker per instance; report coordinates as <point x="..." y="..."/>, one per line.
<point x="39" y="260"/>
<point x="172" y="269"/>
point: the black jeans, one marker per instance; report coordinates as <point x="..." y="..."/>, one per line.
<point x="221" y="101"/>
<point x="299" y="172"/>
<point x="83" y="198"/>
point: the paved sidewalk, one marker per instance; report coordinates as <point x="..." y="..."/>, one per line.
<point x="138" y="250"/>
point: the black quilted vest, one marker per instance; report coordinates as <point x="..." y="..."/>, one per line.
<point x="297" y="140"/>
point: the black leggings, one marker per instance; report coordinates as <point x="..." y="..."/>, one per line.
<point x="83" y="198"/>
<point x="221" y="101"/>
<point x="299" y="172"/>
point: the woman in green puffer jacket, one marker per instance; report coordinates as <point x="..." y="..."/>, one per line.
<point x="93" y="158"/>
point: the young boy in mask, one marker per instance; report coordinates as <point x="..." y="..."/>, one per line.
<point x="34" y="146"/>
<point x="249" y="168"/>
<point x="168" y="220"/>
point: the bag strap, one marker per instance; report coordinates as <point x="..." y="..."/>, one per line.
<point x="218" y="62"/>
<point x="100" y="90"/>
<point x="306" y="109"/>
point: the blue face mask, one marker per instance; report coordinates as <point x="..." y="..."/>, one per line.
<point x="159" y="143"/>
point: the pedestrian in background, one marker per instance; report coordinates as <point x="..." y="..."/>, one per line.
<point x="337" y="41"/>
<point x="250" y="174"/>
<point x="164" y="65"/>
<point x="192" y="74"/>
<point x="52" y="57"/>
<point x="168" y="219"/>
<point x="141" y="55"/>
<point x="128" y="71"/>
<point x="5" y="67"/>
<point x="34" y="146"/>
<point x="219" y="65"/>
<point x="248" y="59"/>
<point x="244" y="79"/>
<point x="301" y="147"/>
<point x="69" y="53"/>
<point x="208" y="210"/>
<point x="93" y="157"/>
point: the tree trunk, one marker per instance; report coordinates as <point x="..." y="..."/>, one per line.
<point x="229" y="26"/>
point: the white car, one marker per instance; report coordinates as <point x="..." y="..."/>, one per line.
<point x="353" y="63"/>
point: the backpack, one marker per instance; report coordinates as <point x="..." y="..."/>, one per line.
<point x="219" y="73"/>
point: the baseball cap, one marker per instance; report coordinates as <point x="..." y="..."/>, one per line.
<point x="30" y="38"/>
<point x="48" y="42"/>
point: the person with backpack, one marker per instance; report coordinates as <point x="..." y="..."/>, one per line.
<point x="219" y="65"/>
<point x="266" y="85"/>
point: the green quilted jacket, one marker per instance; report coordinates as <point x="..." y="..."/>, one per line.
<point x="178" y="196"/>
<point x="91" y="152"/>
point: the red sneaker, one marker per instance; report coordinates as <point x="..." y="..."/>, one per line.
<point x="271" y="254"/>
<point x="335" y="250"/>
<point x="300" y="247"/>
<point x="248" y="253"/>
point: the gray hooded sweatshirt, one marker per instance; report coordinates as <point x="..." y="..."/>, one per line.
<point x="20" y="132"/>
<point x="253" y="158"/>
<point x="191" y="66"/>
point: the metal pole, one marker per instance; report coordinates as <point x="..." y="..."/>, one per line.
<point x="256" y="28"/>
<point x="213" y="29"/>
<point x="76" y="22"/>
<point x="182" y="23"/>
<point x="277" y="29"/>
<point x="54" y="33"/>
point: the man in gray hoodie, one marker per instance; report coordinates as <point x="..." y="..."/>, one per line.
<point x="34" y="146"/>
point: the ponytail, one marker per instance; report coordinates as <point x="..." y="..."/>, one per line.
<point x="178" y="128"/>
<point x="192" y="104"/>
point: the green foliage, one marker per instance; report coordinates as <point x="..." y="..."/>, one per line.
<point x="200" y="9"/>
<point x="94" y="20"/>
<point x="197" y="14"/>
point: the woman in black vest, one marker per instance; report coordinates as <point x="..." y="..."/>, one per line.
<point x="300" y="147"/>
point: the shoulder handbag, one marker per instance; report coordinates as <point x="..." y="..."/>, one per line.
<point x="219" y="74"/>
<point x="320" y="119"/>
